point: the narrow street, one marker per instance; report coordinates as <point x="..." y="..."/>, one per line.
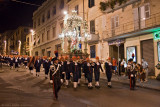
<point x="24" y="89"/>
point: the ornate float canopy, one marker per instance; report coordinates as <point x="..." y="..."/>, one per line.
<point x="76" y="31"/>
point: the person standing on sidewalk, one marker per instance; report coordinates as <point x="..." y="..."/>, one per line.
<point x="129" y="67"/>
<point x="119" y="67"/>
<point x="132" y="75"/>
<point x="123" y="65"/>
<point x="108" y="69"/>
<point x="114" y="65"/>
<point x="145" y="67"/>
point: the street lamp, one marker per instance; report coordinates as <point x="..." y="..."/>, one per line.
<point x="19" y="47"/>
<point x="5" y="46"/>
<point x="32" y="31"/>
<point x="65" y="12"/>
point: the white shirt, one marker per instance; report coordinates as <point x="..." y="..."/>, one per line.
<point x="123" y="62"/>
<point x="88" y="64"/>
<point x="75" y="63"/>
<point x="98" y="63"/>
<point x="144" y="64"/>
<point x="68" y="62"/>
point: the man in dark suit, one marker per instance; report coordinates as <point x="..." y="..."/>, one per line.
<point x="37" y="66"/>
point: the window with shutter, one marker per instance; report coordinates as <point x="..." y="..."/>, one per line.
<point x="147" y="11"/>
<point x="61" y="27"/>
<point x="42" y="37"/>
<point x="116" y="21"/>
<point x="92" y="26"/>
<point x="54" y="10"/>
<point x="48" y="14"/>
<point x="61" y="4"/>
<point x="43" y="52"/>
<point x="39" y="22"/>
<point x="34" y="24"/>
<point x="43" y="18"/>
<point x="48" y="32"/>
<point x="93" y="51"/>
<point x="91" y="3"/>
<point x="77" y="9"/>
<point x="54" y="32"/>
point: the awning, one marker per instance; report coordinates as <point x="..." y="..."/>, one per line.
<point x="116" y="42"/>
<point x="133" y="34"/>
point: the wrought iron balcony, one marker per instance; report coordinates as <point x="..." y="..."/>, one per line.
<point x="140" y="26"/>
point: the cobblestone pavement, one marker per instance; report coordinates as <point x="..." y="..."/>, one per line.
<point x="20" y="88"/>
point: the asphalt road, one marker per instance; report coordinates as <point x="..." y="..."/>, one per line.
<point x="26" y="90"/>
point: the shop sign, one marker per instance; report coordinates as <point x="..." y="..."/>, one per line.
<point x="116" y="42"/>
<point x="157" y="35"/>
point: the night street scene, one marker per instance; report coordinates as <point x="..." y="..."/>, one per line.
<point x="79" y="53"/>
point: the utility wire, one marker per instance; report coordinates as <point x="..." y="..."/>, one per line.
<point x="25" y="3"/>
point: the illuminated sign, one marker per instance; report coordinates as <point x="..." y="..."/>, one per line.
<point x="157" y="35"/>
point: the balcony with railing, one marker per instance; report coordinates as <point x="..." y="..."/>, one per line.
<point x="133" y="28"/>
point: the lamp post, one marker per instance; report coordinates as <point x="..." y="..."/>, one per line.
<point x="5" y="46"/>
<point x="118" y="43"/>
<point x="19" y="47"/>
<point x="32" y="43"/>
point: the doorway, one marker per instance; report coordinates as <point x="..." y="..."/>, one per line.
<point x="147" y="52"/>
<point x="113" y="51"/>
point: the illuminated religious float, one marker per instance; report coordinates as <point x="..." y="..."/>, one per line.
<point x="74" y="35"/>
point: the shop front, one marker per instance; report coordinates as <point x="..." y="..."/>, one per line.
<point x="144" y="46"/>
<point x="116" y="49"/>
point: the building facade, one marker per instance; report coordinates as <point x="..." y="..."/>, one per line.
<point x="5" y="42"/>
<point x="14" y="42"/>
<point x="48" y="24"/>
<point x="29" y="44"/>
<point x="129" y="30"/>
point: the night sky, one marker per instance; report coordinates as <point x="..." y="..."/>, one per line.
<point x="13" y="14"/>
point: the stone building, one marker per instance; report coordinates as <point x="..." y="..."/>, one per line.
<point x="5" y="41"/>
<point x="48" y="24"/>
<point x="29" y="43"/>
<point x="14" y="42"/>
<point x="130" y="29"/>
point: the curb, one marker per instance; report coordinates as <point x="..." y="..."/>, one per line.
<point x="136" y="85"/>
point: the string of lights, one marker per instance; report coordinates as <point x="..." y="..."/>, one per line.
<point x="25" y="3"/>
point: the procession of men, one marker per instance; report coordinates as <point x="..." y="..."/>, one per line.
<point x="64" y="70"/>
